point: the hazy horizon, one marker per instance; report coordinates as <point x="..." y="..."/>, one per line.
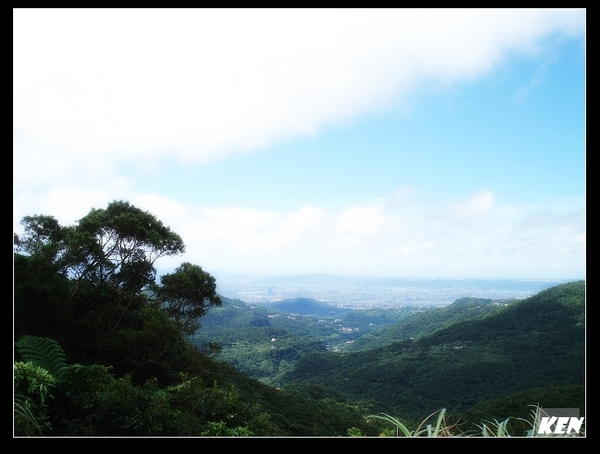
<point x="428" y="143"/>
<point x="319" y="277"/>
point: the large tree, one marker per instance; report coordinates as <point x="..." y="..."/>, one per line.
<point x="90" y="285"/>
<point x="114" y="251"/>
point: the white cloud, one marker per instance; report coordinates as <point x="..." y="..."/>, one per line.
<point x="367" y="239"/>
<point x="68" y="201"/>
<point x="470" y="209"/>
<point x="361" y="221"/>
<point x="548" y="235"/>
<point x="95" y="87"/>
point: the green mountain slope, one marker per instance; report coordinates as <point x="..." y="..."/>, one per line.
<point x="292" y="413"/>
<point x="426" y="321"/>
<point x="264" y="343"/>
<point x="536" y="342"/>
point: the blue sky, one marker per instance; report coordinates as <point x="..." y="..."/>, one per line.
<point x="400" y="143"/>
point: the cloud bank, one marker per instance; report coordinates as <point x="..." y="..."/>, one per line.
<point x="96" y="88"/>
<point x="464" y="238"/>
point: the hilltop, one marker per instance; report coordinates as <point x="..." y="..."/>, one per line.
<point x="306" y="306"/>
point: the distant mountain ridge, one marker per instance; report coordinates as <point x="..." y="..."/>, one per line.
<point x="305" y="306"/>
<point x="424" y="322"/>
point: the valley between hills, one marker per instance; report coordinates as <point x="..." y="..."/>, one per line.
<point x="412" y="360"/>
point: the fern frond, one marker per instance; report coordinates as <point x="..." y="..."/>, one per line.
<point x="43" y="352"/>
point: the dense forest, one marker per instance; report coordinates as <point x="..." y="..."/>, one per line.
<point x="527" y="344"/>
<point x="102" y="347"/>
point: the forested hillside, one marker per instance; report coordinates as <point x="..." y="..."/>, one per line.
<point x="265" y="343"/>
<point x="423" y="322"/>
<point x="533" y="343"/>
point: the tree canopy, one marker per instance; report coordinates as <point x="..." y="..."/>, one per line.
<point x="92" y="285"/>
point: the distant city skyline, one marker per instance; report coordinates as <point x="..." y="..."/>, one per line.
<point x="378" y="293"/>
<point x="444" y="143"/>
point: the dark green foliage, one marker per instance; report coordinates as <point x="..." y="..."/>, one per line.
<point x="117" y="407"/>
<point x="42" y="295"/>
<point x="93" y="402"/>
<point x="33" y="388"/>
<point x="186" y="294"/>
